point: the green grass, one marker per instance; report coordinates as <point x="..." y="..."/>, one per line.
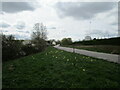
<point x="55" y="68"/>
<point x="99" y="48"/>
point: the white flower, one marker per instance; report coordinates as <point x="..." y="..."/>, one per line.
<point x="56" y="51"/>
<point x="91" y="60"/>
<point x="83" y="69"/>
<point x="67" y="59"/>
<point x="75" y="57"/>
<point x="33" y="57"/>
<point x="87" y="57"/>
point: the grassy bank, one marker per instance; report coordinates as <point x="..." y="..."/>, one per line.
<point x="55" y="68"/>
<point x="98" y="48"/>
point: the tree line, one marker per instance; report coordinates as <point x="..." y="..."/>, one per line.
<point x="109" y="41"/>
<point x="12" y="49"/>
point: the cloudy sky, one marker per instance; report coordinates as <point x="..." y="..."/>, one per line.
<point x="63" y="18"/>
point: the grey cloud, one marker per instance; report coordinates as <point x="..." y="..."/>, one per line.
<point x="5" y="31"/>
<point x="27" y="32"/>
<point x="114" y="13"/>
<point x="101" y="33"/>
<point x="20" y="25"/>
<point x="4" y="25"/>
<point x="118" y="33"/>
<point x="14" y="7"/>
<point x="1" y="13"/>
<point x="83" y="10"/>
<point x="20" y="36"/>
<point x="23" y="31"/>
<point x="114" y="23"/>
<point x="24" y="37"/>
<point x="51" y="27"/>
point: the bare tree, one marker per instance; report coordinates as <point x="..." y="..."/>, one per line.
<point x="39" y="31"/>
<point x="39" y="36"/>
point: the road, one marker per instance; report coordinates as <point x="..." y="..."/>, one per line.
<point x="109" y="57"/>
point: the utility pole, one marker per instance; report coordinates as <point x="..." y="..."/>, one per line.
<point x="90" y="25"/>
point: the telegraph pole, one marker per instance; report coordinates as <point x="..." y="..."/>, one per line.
<point x="90" y="25"/>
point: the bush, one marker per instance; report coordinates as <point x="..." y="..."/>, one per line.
<point x="40" y="44"/>
<point x="10" y="48"/>
<point x="66" y="41"/>
<point x="28" y="49"/>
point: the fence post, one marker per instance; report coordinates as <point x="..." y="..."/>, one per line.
<point x="73" y="49"/>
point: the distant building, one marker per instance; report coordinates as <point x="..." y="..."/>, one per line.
<point x="54" y="43"/>
<point x="87" y="38"/>
<point x="26" y="42"/>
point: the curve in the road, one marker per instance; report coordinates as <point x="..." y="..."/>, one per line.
<point x="109" y="57"/>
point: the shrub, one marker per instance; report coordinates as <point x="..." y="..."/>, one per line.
<point x="66" y="41"/>
<point x="10" y="48"/>
<point x="28" y="49"/>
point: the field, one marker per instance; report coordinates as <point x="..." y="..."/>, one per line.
<point x="98" y="48"/>
<point x="55" y="68"/>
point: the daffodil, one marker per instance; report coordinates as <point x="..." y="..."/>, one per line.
<point x="83" y="69"/>
<point x="91" y="60"/>
<point x="88" y="57"/>
<point x="67" y="59"/>
<point x="33" y="57"/>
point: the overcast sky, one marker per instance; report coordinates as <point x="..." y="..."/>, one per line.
<point x="63" y="18"/>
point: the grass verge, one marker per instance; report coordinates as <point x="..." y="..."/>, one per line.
<point x="55" y="68"/>
<point x="98" y="48"/>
